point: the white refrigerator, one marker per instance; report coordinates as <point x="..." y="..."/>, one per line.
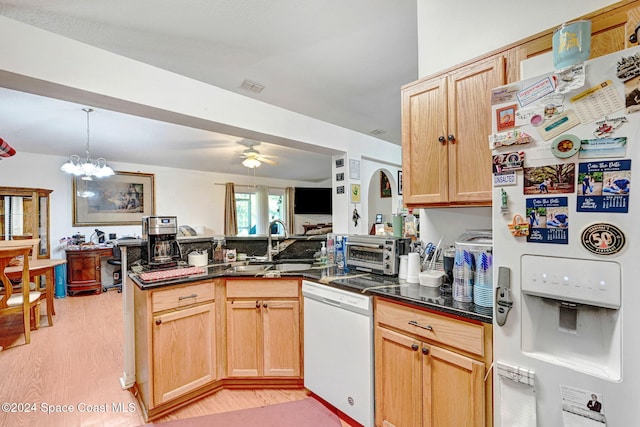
<point x="566" y="266"/>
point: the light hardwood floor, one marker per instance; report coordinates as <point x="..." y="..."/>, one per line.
<point x="76" y="364"/>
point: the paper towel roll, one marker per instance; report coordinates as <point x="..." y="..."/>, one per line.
<point x="198" y="259"/>
<point x="413" y="268"/>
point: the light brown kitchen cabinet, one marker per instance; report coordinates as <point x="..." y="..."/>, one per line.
<point x="263" y="328"/>
<point x="430" y="369"/>
<point x="183" y="351"/>
<point x="610" y="31"/>
<point x="175" y="342"/>
<point x="446" y="121"/>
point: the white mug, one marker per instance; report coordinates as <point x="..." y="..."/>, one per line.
<point x="413" y="269"/>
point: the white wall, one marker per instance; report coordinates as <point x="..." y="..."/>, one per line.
<point x="192" y="196"/>
<point x="449" y="223"/>
<point x="368" y="168"/>
<point x="451" y="32"/>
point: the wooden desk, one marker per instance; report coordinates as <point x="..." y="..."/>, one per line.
<point x="41" y="267"/>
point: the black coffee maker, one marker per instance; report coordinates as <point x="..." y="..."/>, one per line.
<point x="159" y="233"/>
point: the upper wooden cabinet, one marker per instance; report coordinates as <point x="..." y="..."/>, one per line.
<point x="24" y="214"/>
<point x="610" y="31"/>
<point x="446" y="118"/>
<point x="445" y="122"/>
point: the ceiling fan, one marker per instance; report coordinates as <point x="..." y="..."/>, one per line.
<point x="253" y="158"/>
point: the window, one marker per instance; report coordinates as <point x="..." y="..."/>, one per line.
<point x="249" y="212"/>
<point x="246" y="215"/>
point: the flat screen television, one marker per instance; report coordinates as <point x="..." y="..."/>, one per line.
<point x="312" y="200"/>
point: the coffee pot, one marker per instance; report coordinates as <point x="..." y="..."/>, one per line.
<point x="162" y="251"/>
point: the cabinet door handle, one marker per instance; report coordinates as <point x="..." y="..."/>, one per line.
<point x="187" y="297"/>
<point x="415" y="347"/>
<point x="442" y="140"/>
<point x="425" y="350"/>
<point x="158" y="321"/>
<point x="265" y="305"/>
<point x="257" y="304"/>
<point x="414" y="323"/>
<point x="452" y="138"/>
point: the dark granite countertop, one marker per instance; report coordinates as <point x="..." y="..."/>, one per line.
<point x="437" y="299"/>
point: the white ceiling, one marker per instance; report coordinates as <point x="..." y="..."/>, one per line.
<point x="339" y="61"/>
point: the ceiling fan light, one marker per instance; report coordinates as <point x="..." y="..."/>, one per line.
<point x="251" y="163"/>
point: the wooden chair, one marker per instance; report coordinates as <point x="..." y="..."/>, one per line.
<point x="34" y="244"/>
<point x="35" y="248"/>
<point x="25" y="301"/>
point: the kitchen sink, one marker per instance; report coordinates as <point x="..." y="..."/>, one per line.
<point x="293" y="266"/>
<point x="249" y="269"/>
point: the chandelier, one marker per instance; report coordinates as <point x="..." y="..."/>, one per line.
<point x="87" y="167"/>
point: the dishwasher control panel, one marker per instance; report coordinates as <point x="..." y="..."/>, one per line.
<point x="335" y="296"/>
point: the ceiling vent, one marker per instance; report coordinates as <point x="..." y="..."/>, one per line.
<point x="252" y="86"/>
<point x="377" y="132"/>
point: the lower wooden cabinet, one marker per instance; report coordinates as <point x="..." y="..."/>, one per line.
<point x="430" y="369"/>
<point x="263" y="328"/>
<point x="196" y="338"/>
<point x="175" y="343"/>
<point x="184" y="351"/>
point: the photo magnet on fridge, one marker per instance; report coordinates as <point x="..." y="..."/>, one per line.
<point x="506" y="117"/>
<point x="550" y="179"/>
<point x="548" y="220"/>
<point x="603" y="147"/>
<point x="604" y="186"/>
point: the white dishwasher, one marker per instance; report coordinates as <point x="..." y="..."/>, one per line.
<point x="338" y="349"/>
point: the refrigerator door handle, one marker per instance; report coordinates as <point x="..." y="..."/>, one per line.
<point x="503" y="295"/>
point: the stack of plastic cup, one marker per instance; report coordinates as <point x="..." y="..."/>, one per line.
<point x="483" y="283"/>
<point x="463" y="276"/>
<point x="403" y="269"/>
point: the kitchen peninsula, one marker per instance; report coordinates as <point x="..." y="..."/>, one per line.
<point x="238" y="325"/>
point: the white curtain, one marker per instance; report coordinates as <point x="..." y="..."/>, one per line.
<point x="262" y="209"/>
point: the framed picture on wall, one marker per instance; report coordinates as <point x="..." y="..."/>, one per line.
<point x="385" y="185"/>
<point x="355" y="193"/>
<point x="122" y="199"/>
<point x="400" y="183"/>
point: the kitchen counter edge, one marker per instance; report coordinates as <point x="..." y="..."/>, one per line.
<point x="339" y="279"/>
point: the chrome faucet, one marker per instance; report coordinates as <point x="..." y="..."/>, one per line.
<point x="270" y="240"/>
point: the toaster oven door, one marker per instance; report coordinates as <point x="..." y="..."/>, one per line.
<point x="369" y="256"/>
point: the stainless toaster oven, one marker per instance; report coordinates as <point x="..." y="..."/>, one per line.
<point x="376" y="254"/>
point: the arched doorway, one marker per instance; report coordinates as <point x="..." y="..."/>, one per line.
<point x="382" y="193"/>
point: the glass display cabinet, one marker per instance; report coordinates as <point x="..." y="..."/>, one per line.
<point x="24" y="214"/>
